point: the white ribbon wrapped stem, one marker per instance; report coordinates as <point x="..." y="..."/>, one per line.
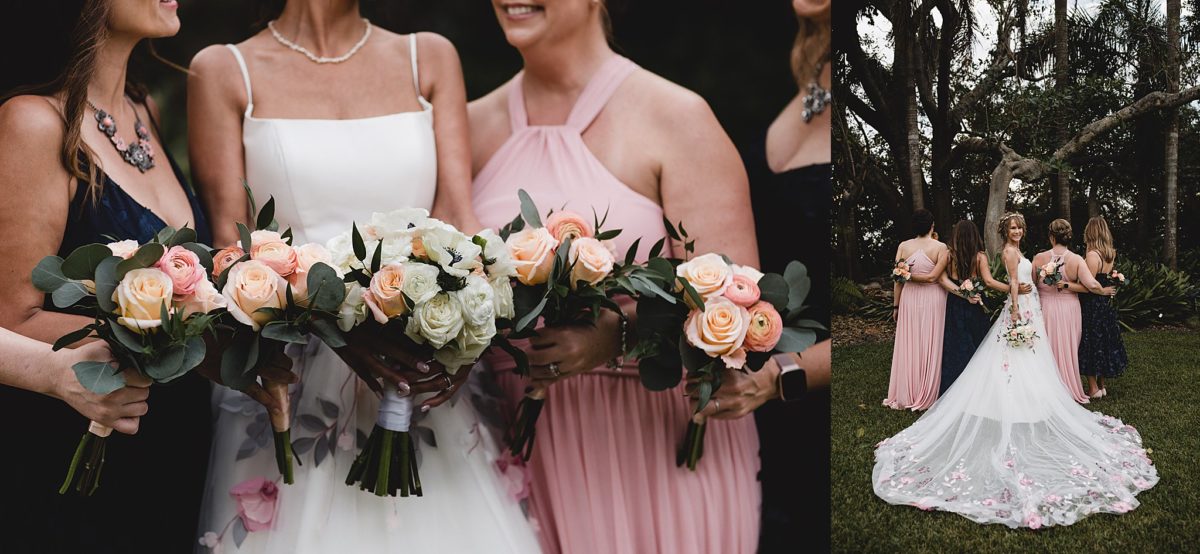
<point x="395" y="411"/>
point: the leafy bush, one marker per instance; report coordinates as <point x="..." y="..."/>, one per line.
<point x="846" y="295"/>
<point x="1154" y="294"/>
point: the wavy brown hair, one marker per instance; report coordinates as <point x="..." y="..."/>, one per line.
<point x="965" y="246"/>
<point x="1097" y="237"/>
<point x="1003" y="227"/>
<point x="812" y="48"/>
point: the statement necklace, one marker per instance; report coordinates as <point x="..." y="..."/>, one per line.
<point x="139" y="154"/>
<point x="817" y="99"/>
<point x="320" y="59"/>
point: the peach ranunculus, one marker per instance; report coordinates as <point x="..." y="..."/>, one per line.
<point x="183" y="266"/>
<point x="205" y="299"/>
<point x="269" y="248"/>
<point x="384" y="297"/>
<point x="743" y="291"/>
<point x="563" y="225"/>
<point x="591" y="261"/>
<point x="766" y="326"/>
<point x="719" y="329"/>
<point x="252" y="285"/>
<point x="257" y="503"/>
<point x="708" y="274"/>
<point x="532" y="252"/>
<point x="123" y="248"/>
<point x="225" y="258"/>
<point x="140" y="297"/>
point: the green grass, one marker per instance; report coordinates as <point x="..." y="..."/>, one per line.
<point x="1159" y="394"/>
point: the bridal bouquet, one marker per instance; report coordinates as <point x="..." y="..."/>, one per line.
<point x="151" y="303"/>
<point x="726" y="317"/>
<point x="275" y="294"/>
<point x="1020" y="334"/>
<point x="902" y="272"/>
<point x="566" y="272"/>
<point x="431" y="284"/>
<point x="1049" y="273"/>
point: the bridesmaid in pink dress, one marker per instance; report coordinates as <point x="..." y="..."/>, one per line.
<point x="1060" y="308"/>
<point x="920" y="314"/>
<point x="584" y="128"/>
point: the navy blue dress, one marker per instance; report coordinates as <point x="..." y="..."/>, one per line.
<point x="152" y="483"/>
<point x="966" y="327"/>
<point x="1101" y="350"/>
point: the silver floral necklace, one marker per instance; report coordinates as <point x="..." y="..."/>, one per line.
<point x="817" y="98"/>
<point x="139" y="154"/>
<point x="320" y="59"/>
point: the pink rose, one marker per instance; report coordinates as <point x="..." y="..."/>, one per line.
<point x="384" y="296"/>
<point x="269" y="248"/>
<point x="183" y="266"/>
<point x="532" y="252"/>
<point x="766" y="326"/>
<point x="563" y="225"/>
<point x="307" y="256"/>
<point x="515" y="476"/>
<point x="225" y="258"/>
<point x="743" y="291"/>
<point x="591" y="261"/>
<point x="257" y="500"/>
<point x="720" y="330"/>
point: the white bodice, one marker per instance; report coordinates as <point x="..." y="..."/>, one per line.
<point x="1025" y="271"/>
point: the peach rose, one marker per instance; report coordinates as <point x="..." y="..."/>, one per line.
<point x="269" y="248"/>
<point x="720" y="330"/>
<point x="140" y="297"/>
<point x="306" y="256"/>
<point x="205" y="299"/>
<point x="532" y="252"/>
<point x="708" y="274"/>
<point x="225" y="258"/>
<point x="183" y="266"/>
<point x="123" y="248"/>
<point x="252" y="284"/>
<point x="766" y="326"/>
<point x="563" y="225"/>
<point x="592" y="262"/>
<point x="743" y="291"/>
<point x="257" y="502"/>
<point x="384" y="296"/>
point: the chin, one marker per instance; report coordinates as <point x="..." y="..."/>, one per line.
<point x="812" y="9"/>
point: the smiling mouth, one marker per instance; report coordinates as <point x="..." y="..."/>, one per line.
<point x="518" y="10"/>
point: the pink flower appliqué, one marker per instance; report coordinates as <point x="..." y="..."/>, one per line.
<point x="1053" y="498"/>
<point x="1025" y="481"/>
<point x="515" y="476"/>
<point x="257" y="501"/>
<point x="988" y="502"/>
<point x="1121" y="507"/>
<point x="957" y="476"/>
<point x="1033" y="521"/>
<point x="1010" y="463"/>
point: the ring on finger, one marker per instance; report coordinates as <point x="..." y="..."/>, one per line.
<point x="449" y="382"/>
<point x="717" y="403"/>
<point x="553" y="367"/>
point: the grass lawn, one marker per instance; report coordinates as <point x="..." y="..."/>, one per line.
<point x="1159" y="394"/>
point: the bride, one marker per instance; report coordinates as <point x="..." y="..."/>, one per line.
<point x="336" y="119"/>
<point x="1007" y="443"/>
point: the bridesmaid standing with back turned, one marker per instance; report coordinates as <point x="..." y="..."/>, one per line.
<point x="919" y="310"/>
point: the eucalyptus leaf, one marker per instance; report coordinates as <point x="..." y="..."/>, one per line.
<point x="82" y="262"/>
<point x="530" y="317"/>
<point x="128" y="338"/>
<point x="146" y="256"/>
<point x="284" y="332"/>
<point x="48" y="275"/>
<point x="327" y="290"/>
<point x="164" y="234"/>
<point x="774" y="290"/>
<point x="182" y="237"/>
<point x="106" y="283"/>
<point x="68" y="294"/>
<point x="233" y="363"/>
<point x="658" y="374"/>
<point x="795" y="340"/>
<point x="98" y="377"/>
<point x="693" y="358"/>
<point x="167" y="364"/>
<point x="529" y="210"/>
<point x="798" y="282"/>
<point x="328" y="332"/>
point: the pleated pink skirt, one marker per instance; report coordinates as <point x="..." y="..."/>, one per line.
<point x="604" y="478"/>
<point x="1064" y="326"/>
<point x="917" y="356"/>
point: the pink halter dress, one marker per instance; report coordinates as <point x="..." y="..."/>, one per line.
<point x="1064" y="328"/>
<point x="917" y="357"/>
<point x="603" y="466"/>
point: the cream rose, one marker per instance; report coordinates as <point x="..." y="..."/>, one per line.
<point x="708" y="274"/>
<point x="564" y="224"/>
<point x="720" y="330"/>
<point x="437" y="321"/>
<point x="420" y="282"/>
<point x="532" y="252"/>
<point x="754" y="274"/>
<point x="353" y="310"/>
<point x="123" y="248"/>
<point x="252" y="285"/>
<point x="384" y="296"/>
<point x="140" y="297"/>
<point x="766" y="326"/>
<point x="471" y="343"/>
<point x="225" y="258"/>
<point x="205" y="299"/>
<point x="502" y="295"/>
<point x="269" y="248"/>
<point x="477" y="301"/>
<point x="591" y="261"/>
<point x="183" y="266"/>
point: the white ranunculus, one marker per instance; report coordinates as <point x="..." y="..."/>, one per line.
<point x="437" y="321"/>
<point x="497" y="252"/>
<point x="477" y="300"/>
<point x="341" y="253"/>
<point x="353" y="309"/>
<point x="502" y="296"/>
<point x="420" y="282"/>
<point x="452" y="250"/>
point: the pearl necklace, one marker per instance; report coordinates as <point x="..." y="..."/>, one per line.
<point x="320" y="59"/>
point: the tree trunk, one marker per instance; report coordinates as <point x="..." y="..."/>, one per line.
<point x="1171" y="162"/>
<point x="848" y="227"/>
<point x="944" y="128"/>
<point x="1063" y="178"/>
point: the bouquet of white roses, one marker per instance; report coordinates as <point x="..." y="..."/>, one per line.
<point x="433" y="285"/>
<point x="151" y="303"/>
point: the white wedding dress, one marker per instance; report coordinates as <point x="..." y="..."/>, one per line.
<point x="1007" y="444"/>
<point x="323" y="174"/>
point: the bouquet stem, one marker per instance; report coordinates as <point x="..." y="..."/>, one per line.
<point x="524" y="427"/>
<point x="387" y="464"/>
<point x="693" y="445"/>
<point x="281" y="424"/>
<point x="85" y="479"/>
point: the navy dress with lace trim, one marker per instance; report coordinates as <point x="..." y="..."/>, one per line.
<point x="967" y="325"/>
<point x="1101" y="350"/>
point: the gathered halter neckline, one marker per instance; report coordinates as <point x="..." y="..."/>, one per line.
<point x="426" y="106"/>
<point x="591" y="101"/>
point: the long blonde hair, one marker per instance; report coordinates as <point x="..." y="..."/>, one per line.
<point x="1097" y="237"/>
<point x="811" y="49"/>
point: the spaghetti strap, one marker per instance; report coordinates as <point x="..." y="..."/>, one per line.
<point x="598" y="91"/>
<point x="412" y="51"/>
<point x="245" y="77"/>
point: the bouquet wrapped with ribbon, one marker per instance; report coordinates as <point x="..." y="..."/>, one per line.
<point x="726" y="316"/>
<point x="430" y="285"/>
<point x="276" y="294"/>
<point x="152" y="304"/>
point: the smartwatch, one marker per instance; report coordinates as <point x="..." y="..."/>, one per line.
<point x="793" y="382"/>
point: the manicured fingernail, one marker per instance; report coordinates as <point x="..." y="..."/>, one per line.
<point x="423" y="367"/>
<point x="425" y="408"/>
<point x="404" y="388"/>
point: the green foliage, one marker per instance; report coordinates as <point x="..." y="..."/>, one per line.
<point x="845" y="296"/>
<point x="1153" y="293"/>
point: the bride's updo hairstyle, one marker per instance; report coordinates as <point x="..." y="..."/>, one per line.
<point x="1003" y="227"/>
<point x="1060" y="229"/>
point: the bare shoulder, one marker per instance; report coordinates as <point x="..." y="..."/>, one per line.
<point x="215" y="69"/>
<point x="666" y="103"/>
<point x="489" y="113"/>
<point x="435" y="46"/>
<point x="31" y="121"/>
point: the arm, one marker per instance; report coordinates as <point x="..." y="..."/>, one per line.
<point x="1087" y="282"/>
<point x="442" y="77"/>
<point x="939" y="267"/>
<point x="985" y="273"/>
<point x="1011" y="259"/>
<point x="743" y="392"/>
<point x="216" y="101"/>
<point x="897" y="287"/>
<point x="946" y="283"/>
